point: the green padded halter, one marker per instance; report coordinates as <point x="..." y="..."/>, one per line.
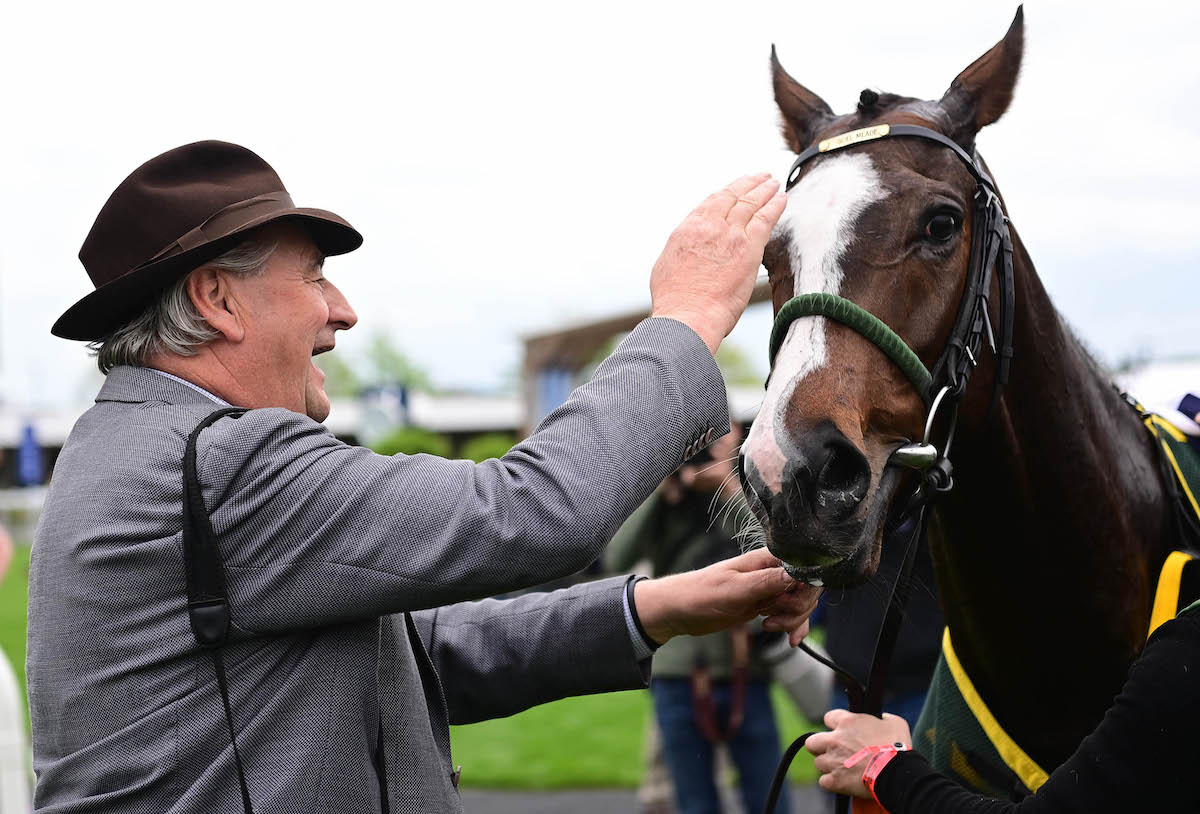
<point x="864" y="322"/>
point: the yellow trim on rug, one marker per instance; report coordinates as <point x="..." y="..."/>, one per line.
<point x="1166" y="596"/>
<point x="1171" y="429"/>
<point x="1031" y="774"/>
<point x="1174" y="432"/>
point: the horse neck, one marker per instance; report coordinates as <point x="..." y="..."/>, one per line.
<point x="1048" y="549"/>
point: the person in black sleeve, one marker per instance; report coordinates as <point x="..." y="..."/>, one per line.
<point x="1141" y="757"/>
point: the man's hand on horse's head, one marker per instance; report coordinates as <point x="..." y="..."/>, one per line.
<point x="705" y="275"/>
<point x="726" y="594"/>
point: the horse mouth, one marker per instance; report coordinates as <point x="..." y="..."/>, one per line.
<point x="855" y="561"/>
<point x="815" y="575"/>
<point x="849" y="570"/>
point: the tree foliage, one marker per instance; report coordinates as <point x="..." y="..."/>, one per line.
<point x="411" y="441"/>
<point x="737" y="368"/>
<point x="341" y="381"/>
<point x="382" y="364"/>
<point x="388" y="365"/>
<point x="490" y="445"/>
<point x="735" y="364"/>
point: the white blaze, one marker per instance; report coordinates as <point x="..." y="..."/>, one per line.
<point x="820" y="219"/>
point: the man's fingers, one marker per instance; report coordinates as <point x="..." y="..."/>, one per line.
<point x="799" y="601"/>
<point x="784" y="621"/>
<point x="819" y="743"/>
<point x="827" y="763"/>
<point x="750" y="202"/>
<point x="836" y="717"/>
<point x="764" y="220"/>
<point x="798" y="635"/>
<point x="753" y="560"/>
<point x="720" y="202"/>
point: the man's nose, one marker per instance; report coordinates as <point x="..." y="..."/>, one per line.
<point x="341" y="315"/>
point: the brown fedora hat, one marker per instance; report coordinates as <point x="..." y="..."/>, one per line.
<point x="172" y="215"/>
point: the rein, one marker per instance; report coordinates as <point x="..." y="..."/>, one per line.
<point x="944" y="386"/>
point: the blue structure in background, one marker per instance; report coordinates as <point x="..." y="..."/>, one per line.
<point x="552" y="388"/>
<point x="31" y="469"/>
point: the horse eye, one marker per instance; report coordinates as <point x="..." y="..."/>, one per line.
<point x="941" y="227"/>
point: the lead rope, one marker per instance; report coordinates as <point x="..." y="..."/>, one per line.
<point x="208" y="603"/>
<point x="869" y="698"/>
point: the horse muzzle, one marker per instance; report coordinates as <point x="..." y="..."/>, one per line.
<point x="813" y="512"/>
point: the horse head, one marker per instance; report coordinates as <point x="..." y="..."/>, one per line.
<point x="886" y="225"/>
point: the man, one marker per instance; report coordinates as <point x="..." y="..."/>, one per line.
<point x="329" y="585"/>
<point x="709" y="691"/>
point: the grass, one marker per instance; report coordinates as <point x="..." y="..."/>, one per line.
<point x="593" y="741"/>
<point x="14" y="594"/>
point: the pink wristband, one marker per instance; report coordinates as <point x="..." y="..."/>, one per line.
<point x="880" y="757"/>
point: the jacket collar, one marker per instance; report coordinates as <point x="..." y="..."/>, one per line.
<point x="140" y="384"/>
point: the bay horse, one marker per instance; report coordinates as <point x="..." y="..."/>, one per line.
<point x="1048" y="548"/>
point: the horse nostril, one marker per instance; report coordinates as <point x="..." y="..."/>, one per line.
<point x="843" y="469"/>
<point x="842" y="481"/>
<point x="752" y="485"/>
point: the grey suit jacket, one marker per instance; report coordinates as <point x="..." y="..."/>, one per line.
<point x="350" y="576"/>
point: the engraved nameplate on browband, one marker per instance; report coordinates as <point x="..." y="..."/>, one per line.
<point x="854" y="137"/>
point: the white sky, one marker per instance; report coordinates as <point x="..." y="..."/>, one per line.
<point x="516" y="166"/>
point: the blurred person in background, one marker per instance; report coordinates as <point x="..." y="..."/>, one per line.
<point x="710" y="692"/>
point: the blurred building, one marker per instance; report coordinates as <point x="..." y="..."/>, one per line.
<point x="458" y="417"/>
<point x="555" y="361"/>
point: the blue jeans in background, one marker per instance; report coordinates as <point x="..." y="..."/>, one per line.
<point x="754" y="747"/>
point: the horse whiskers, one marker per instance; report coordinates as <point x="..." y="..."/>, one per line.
<point x="751" y="535"/>
<point x="728" y="460"/>
<point x="716" y="497"/>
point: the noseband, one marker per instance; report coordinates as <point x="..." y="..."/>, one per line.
<point x="944" y="386"/>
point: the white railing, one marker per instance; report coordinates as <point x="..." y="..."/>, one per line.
<point x="15" y="770"/>
<point x="20" y="510"/>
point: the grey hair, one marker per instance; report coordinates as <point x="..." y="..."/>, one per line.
<point x="171" y="323"/>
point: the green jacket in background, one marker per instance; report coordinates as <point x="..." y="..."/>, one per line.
<point x="679" y="538"/>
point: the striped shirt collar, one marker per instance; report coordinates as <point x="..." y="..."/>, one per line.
<point x="195" y="387"/>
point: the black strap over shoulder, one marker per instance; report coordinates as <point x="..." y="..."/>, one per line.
<point x="207" y="601"/>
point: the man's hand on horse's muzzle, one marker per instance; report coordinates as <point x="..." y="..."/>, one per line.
<point x="725" y="594"/>
<point x="706" y="272"/>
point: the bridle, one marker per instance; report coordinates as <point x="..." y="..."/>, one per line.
<point x="991" y="252"/>
<point x="940" y="389"/>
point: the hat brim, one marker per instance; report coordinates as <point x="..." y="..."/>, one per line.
<point x="112" y="305"/>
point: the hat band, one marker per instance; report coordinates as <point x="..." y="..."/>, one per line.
<point x="225" y="222"/>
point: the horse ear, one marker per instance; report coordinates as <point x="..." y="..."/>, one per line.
<point x="803" y="111"/>
<point x="979" y="95"/>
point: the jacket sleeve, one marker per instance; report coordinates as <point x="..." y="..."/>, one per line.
<point x="1140" y="758"/>
<point x="499" y="657"/>
<point x="315" y="532"/>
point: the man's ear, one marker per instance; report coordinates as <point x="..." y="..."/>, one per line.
<point x="210" y="293"/>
